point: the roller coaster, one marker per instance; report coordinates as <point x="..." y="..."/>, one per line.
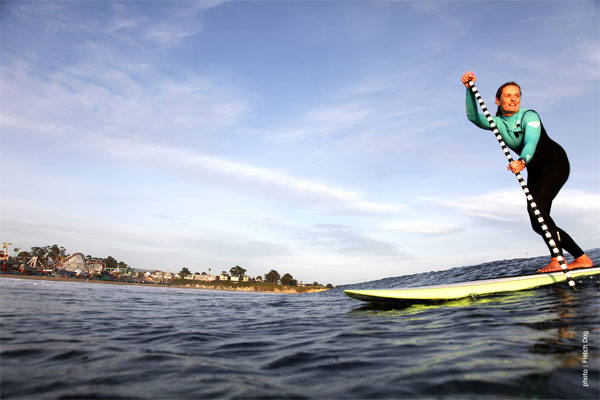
<point x="74" y="265"/>
<point x="77" y="263"/>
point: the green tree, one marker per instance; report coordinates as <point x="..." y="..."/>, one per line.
<point x="237" y="271"/>
<point x="110" y="262"/>
<point x="23" y="256"/>
<point x="184" y="272"/>
<point x="55" y="253"/>
<point x="288" y="280"/>
<point x="41" y="254"/>
<point x="272" y="276"/>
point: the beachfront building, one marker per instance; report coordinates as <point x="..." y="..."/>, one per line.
<point x="119" y="271"/>
<point x="201" y="277"/>
<point x="211" y="278"/>
<point x="160" y="276"/>
<point x="157" y="276"/>
<point x="243" y="278"/>
<point x="240" y="278"/>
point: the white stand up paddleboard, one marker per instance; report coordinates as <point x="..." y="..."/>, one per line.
<point x="460" y="290"/>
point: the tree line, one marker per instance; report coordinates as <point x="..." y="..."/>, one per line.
<point x="271" y="277"/>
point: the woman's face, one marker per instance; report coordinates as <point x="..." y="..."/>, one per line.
<point x="510" y="100"/>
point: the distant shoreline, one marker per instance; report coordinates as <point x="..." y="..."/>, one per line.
<point x="251" y="289"/>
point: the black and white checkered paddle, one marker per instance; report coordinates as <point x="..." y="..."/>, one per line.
<point x="530" y="201"/>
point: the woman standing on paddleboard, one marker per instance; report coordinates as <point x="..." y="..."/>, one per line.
<point x="546" y="161"/>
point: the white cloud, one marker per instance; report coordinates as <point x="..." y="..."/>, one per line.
<point x="15" y="121"/>
<point x="579" y="202"/>
<point x="422" y="227"/>
<point x="245" y="177"/>
<point x="347" y="240"/>
<point x="325" y="121"/>
<point x="105" y="80"/>
<point x="501" y="205"/>
<point x="509" y="206"/>
<point x="110" y="98"/>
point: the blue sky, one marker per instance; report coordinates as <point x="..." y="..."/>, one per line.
<point x="327" y="139"/>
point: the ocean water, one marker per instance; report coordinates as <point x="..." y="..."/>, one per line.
<point x="81" y="340"/>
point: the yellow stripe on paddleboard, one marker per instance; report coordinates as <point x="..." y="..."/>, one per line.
<point x="466" y="289"/>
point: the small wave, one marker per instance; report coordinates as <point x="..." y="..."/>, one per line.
<point x="489" y="270"/>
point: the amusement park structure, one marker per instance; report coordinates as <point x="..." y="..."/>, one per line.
<point x="76" y="263"/>
<point x="4" y="252"/>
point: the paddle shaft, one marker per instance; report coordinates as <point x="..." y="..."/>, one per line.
<point x="547" y="235"/>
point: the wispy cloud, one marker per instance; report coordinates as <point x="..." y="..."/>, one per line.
<point x="423" y="227"/>
<point x="103" y="72"/>
<point x="332" y="238"/>
<point x="179" y="21"/>
<point x="326" y="121"/>
<point x="509" y="206"/>
<point x="376" y="112"/>
<point x="349" y="240"/>
<point x="114" y="100"/>
<point x="496" y="206"/>
<point x="261" y="181"/>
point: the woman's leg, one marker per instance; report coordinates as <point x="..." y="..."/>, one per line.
<point x="544" y="185"/>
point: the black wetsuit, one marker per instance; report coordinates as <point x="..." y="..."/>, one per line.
<point x="547" y="172"/>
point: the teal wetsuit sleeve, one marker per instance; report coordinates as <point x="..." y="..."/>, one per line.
<point x="532" y="129"/>
<point x="478" y="119"/>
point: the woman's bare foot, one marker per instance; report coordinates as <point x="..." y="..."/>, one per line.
<point x="582" y="262"/>
<point x="552" y="267"/>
